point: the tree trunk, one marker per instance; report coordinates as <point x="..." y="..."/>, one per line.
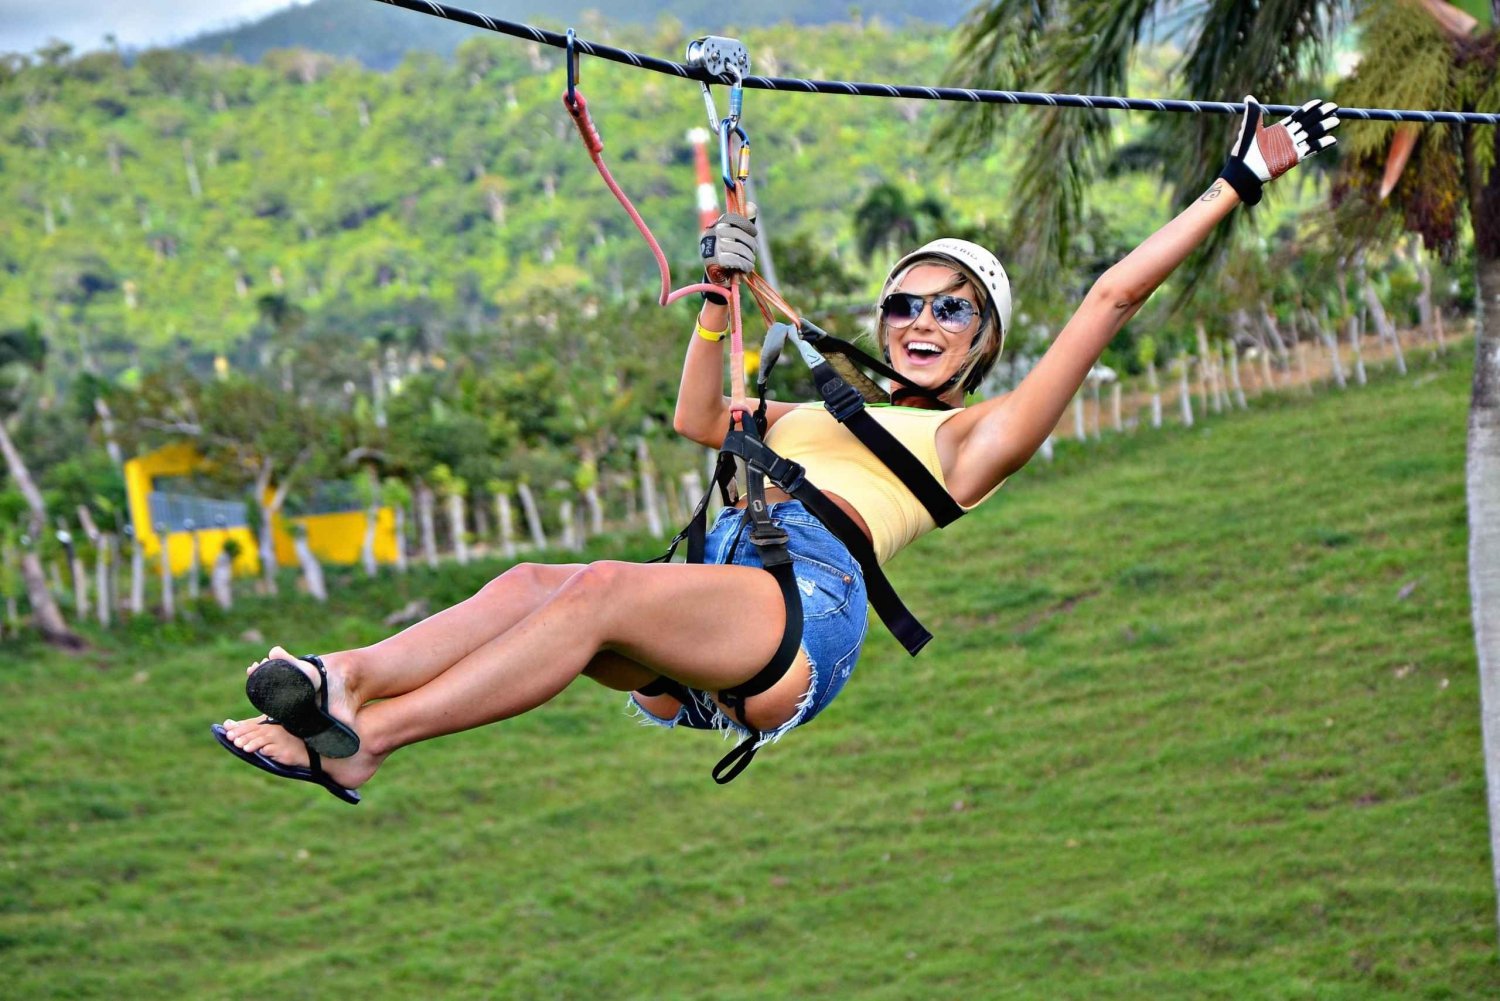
<point x="1184" y="392"/>
<point x="533" y="515"/>
<point x="1233" y="354"/>
<point x="507" y="522"/>
<point x="1117" y="416"/>
<point x="168" y="595"/>
<point x="425" y="524"/>
<point x="195" y="567"/>
<point x="569" y="530"/>
<point x="44" y="610"/>
<point x="1332" y="347"/>
<point x="190" y="166"/>
<point x="1302" y="371"/>
<point x="1483" y="486"/>
<point x="104" y="560"/>
<point x="1430" y="328"/>
<point x="1098" y="408"/>
<point x="221" y="581"/>
<point x="312" y="570"/>
<point x="268" y="565"/>
<point x="480" y="513"/>
<point x="648" y="488"/>
<point x="107" y="425"/>
<point x="1383" y="325"/>
<point x="456" y="528"/>
<point x="1080" y="422"/>
<point x="595" y="508"/>
<point x="1206" y="372"/>
<point x="46" y="616"/>
<point x="1354" y="346"/>
<point x="401" y="538"/>
<point x="1268" y="322"/>
<point x="80" y="585"/>
<point x="137" y="578"/>
<point x="1155" y="386"/>
<point x="367" y="544"/>
<point x="372" y="521"/>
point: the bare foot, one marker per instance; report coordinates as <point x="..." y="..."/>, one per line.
<point x="256" y="735"/>
<point x="343" y="704"/>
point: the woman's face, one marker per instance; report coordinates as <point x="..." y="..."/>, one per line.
<point x="925" y="352"/>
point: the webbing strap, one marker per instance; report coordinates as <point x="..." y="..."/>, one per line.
<point x="829" y="344"/>
<point x="848" y="408"/>
<point x="790" y="477"/>
<point x="737" y="760"/>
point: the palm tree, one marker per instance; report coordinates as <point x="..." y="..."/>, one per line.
<point x="887" y="220"/>
<point x="1425" y="53"/>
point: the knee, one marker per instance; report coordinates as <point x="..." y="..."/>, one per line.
<point x="526" y="578"/>
<point x="597" y="579"/>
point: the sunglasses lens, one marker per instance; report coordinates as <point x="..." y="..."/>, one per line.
<point x="901" y="308"/>
<point x="952" y="313"/>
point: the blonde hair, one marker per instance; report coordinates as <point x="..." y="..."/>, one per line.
<point x="984" y="348"/>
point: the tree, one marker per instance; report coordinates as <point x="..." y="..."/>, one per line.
<point x="1423" y="53"/>
<point x="251" y="436"/>
<point x="887" y="220"/>
<point x="21" y="351"/>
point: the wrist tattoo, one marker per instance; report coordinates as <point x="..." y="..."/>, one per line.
<point x="1212" y="192"/>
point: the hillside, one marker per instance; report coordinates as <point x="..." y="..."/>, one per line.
<point x="379" y="36"/>
<point x="1200" y="722"/>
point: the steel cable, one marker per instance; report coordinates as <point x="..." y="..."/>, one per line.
<point x="917" y="92"/>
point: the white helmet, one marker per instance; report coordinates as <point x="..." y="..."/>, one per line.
<point x="974" y="258"/>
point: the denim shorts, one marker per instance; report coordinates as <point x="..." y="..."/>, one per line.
<point x="835" y="613"/>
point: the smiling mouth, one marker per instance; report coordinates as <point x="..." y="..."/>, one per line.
<point x="922" y="352"/>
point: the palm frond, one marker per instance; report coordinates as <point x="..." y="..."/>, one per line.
<point x="1274" y="49"/>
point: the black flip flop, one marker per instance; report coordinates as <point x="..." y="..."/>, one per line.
<point x="282" y="691"/>
<point x="315" y="774"/>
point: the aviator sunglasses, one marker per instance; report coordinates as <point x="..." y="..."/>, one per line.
<point x="951" y="312"/>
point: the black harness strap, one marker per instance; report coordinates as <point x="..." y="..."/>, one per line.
<point x="847" y="405"/>
<point x="848" y="408"/>
<point x="791" y="477"/>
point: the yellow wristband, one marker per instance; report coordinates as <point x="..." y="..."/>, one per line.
<point x="709" y="335"/>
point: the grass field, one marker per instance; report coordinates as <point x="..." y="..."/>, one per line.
<point x="1201" y="721"/>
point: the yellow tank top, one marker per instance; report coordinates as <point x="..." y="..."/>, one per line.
<point x="837" y="463"/>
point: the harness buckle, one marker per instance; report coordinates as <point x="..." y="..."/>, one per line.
<point x="842" y="400"/>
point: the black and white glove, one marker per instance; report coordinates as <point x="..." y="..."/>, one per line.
<point x="728" y="246"/>
<point x="1260" y="154"/>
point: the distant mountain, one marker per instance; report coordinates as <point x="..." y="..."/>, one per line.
<point x="379" y="35"/>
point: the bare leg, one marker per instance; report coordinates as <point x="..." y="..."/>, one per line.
<point x="669" y="618"/>
<point x="413" y="657"/>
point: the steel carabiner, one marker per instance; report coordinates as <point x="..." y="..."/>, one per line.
<point x="725" y="129"/>
<point x="572" y="60"/>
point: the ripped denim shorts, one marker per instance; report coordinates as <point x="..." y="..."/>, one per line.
<point x="835" y="613"/>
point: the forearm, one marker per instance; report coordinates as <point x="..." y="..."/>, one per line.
<point x="702" y="413"/>
<point x="1033" y="410"/>
<point x="1142" y="271"/>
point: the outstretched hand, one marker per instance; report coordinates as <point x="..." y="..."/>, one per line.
<point x="1260" y="154"/>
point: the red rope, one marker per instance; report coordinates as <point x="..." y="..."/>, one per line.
<point x="766" y="298"/>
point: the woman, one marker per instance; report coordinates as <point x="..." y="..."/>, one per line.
<point x="663" y="627"/>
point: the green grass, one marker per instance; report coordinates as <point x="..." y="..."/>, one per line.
<point x="1179" y="736"/>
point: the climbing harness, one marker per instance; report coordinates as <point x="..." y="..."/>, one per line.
<point x="837" y="370"/>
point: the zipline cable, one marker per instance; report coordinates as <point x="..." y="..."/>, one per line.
<point x="917" y="92"/>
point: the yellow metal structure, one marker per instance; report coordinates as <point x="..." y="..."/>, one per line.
<point x="336" y="537"/>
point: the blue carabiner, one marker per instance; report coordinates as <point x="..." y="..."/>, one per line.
<point x="727" y="128"/>
<point x="572" y="68"/>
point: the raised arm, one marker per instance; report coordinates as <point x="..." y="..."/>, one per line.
<point x="993" y="439"/>
<point x="702" y="413"/>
